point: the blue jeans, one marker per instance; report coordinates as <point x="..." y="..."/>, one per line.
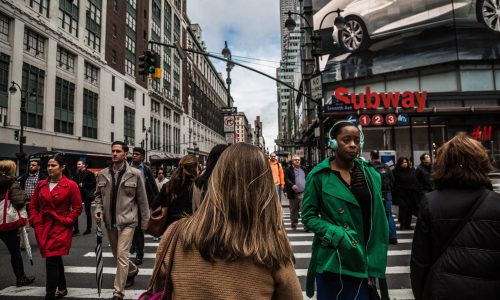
<point x="390" y="218"/>
<point x="329" y="285"/>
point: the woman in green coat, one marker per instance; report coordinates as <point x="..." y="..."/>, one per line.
<point x="343" y="206"/>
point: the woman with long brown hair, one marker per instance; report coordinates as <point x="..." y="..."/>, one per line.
<point x="235" y="245"/>
<point x="456" y="246"/>
<point x="176" y="194"/>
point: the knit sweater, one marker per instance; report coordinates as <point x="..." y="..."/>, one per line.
<point x="195" y="278"/>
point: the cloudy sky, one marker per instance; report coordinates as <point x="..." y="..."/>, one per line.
<point x="252" y="31"/>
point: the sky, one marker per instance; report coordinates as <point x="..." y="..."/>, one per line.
<point x="252" y="30"/>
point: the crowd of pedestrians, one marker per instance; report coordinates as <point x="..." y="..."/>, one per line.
<point x="224" y="226"/>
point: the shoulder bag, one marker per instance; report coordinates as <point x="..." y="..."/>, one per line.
<point x="157" y="223"/>
<point x="11" y="218"/>
<point x="166" y="293"/>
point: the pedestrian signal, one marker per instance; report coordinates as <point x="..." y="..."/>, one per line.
<point x="16" y="135"/>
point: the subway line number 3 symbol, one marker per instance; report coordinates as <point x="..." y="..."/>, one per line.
<point x="391" y="119"/>
<point x="377" y="120"/>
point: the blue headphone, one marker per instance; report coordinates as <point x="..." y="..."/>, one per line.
<point x="332" y="142"/>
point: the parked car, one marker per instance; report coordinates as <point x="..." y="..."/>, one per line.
<point x="374" y="19"/>
<point x="495" y="180"/>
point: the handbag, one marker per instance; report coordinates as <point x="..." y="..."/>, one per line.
<point x="166" y="293"/>
<point x="11" y="218"/>
<point x="157" y="223"/>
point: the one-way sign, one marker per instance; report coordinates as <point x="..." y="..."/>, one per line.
<point x="228" y="110"/>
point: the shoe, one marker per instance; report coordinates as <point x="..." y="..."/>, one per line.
<point x="306" y="229"/>
<point x="131" y="278"/>
<point x="393" y="241"/>
<point x="60" y="294"/>
<point x="132" y="251"/>
<point x="294" y="227"/>
<point x="138" y="261"/>
<point x="88" y="231"/>
<point x="25" y="280"/>
<point x="76" y="232"/>
<point x="117" y="298"/>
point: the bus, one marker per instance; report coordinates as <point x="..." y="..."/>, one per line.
<point x="95" y="162"/>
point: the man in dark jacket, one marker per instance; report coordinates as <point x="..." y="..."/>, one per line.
<point x="423" y="174"/>
<point x="295" y="181"/>
<point x="387" y="186"/>
<point x="86" y="183"/>
<point x="138" y="156"/>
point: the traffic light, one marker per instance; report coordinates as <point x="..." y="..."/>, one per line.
<point x="146" y="63"/>
<point x="16" y="135"/>
<point x="157" y="64"/>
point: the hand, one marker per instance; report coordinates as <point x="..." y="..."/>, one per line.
<point x="295" y="188"/>
<point x="97" y="218"/>
<point x="80" y="184"/>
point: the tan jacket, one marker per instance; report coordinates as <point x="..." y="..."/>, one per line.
<point x="195" y="278"/>
<point x="131" y="197"/>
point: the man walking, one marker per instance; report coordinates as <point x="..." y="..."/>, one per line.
<point x="387" y="185"/>
<point x="277" y="170"/>
<point x="28" y="181"/>
<point x="86" y="183"/>
<point x="295" y="181"/>
<point x="138" y="156"/>
<point x="119" y="199"/>
<point x="423" y="174"/>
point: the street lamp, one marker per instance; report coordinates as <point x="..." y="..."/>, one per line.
<point x="290" y="24"/>
<point x="22" y="139"/>
<point x="229" y="66"/>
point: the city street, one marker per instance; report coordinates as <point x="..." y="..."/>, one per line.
<point x="80" y="267"/>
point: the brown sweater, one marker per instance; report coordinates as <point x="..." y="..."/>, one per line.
<point x="195" y="278"/>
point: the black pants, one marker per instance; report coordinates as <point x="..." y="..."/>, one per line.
<point x="405" y="215"/>
<point x="86" y="205"/>
<point x="11" y="240"/>
<point x="55" y="275"/>
<point x="138" y="240"/>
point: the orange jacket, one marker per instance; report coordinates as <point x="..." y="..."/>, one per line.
<point x="278" y="176"/>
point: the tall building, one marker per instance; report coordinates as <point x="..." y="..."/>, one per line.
<point x="75" y="61"/>
<point x="290" y="47"/>
<point x="243" y="129"/>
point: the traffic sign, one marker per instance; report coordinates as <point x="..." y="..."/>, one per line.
<point x="364" y="120"/>
<point x="391" y="119"/>
<point x="353" y="119"/>
<point x="317" y="87"/>
<point x="230" y="137"/>
<point x="228" y="123"/>
<point x="377" y="120"/>
<point x="228" y="110"/>
<point x="403" y="119"/>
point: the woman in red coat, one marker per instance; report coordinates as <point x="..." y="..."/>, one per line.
<point x="54" y="207"/>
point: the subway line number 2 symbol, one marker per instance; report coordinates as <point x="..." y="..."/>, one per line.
<point x="377" y="120"/>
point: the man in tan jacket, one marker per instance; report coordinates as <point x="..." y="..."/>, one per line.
<point x="119" y="199"/>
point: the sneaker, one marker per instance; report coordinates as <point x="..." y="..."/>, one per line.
<point x="88" y="231"/>
<point x="76" y="232"/>
<point x="60" y="294"/>
<point x="117" y="298"/>
<point x="294" y="227"/>
<point x="25" y="280"/>
<point x="131" y="278"/>
<point x="138" y="261"/>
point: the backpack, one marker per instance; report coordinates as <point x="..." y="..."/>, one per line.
<point x="387" y="177"/>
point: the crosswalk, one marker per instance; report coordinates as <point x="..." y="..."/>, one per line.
<point x="80" y="268"/>
<point x="397" y="272"/>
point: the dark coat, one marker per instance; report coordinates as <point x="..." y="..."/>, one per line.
<point x="88" y="181"/>
<point x="423" y="174"/>
<point x="470" y="266"/>
<point x="405" y="191"/>
<point x="290" y="181"/>
<point x="150" y="184"/>
<point x="52" y="214"/>
<point x="179" y="208"/>
<point x="22" y="179"/>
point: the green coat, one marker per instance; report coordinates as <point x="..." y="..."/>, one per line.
<point x="331" y="211"/>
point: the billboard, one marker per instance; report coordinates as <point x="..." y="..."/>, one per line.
<point x="383" y="36"/>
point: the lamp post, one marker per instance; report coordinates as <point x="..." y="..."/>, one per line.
<point x="22" y="139"/>
<point x="147" y="130"/>
<point x="290" y="24"/>
<point x="229" y="66"/>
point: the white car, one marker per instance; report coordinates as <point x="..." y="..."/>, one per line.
<point x="372" y="19"/>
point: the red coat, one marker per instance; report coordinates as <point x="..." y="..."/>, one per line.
<point x="52" y="214"/>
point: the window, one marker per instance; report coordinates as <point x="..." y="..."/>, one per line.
<point x="155" y="106"/>
<point x="4" y="28"/>
<point x="91" y="73"/>
<point x="130" y="21"/>
<point x="177" y="29"/>
<point x="113" y="28"/>
<point x="130" y="67"/>
<point x="112" y="136"/>
<point x="129" y="93"/>
<point x="113" y="56"/>
<point x="34" y="43"/>
<point x="68" y="16"/>
<point x="65" y="59"/>
<point x="112" y="115"/>
<point x="115" y="5"/>
<point x="4" y="79"/>
<point x="64" y="108"/>
<point x="89" y="114"/>
<point x="167" y="112"/>
<point x="93" y="24"/>
<point x="129" y="44"/>
<point x="177" y="118"/>
<point x="133" y="3"/>
<point x="93" y="41"/>
<point x="40" y="6"/>
<point x="33" y="81"/>
<point x="129" y="125"/>
<point x="113" y="83"/>
<point x="94" y="11"/>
